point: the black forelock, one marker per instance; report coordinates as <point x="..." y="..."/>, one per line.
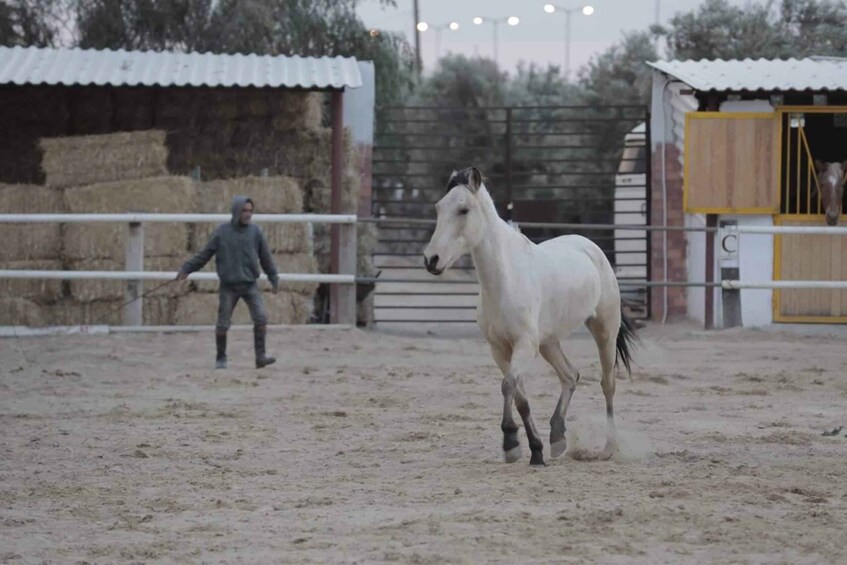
<point x="462" y="177"/>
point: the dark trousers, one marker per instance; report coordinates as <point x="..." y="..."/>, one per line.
<point x="229" y="294"/>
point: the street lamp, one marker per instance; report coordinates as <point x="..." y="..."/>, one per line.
<point x="452" y="26"/>
<point x="586" y="10"/>
<point x="511" y="20"/>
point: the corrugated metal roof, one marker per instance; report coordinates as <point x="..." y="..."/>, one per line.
<point x="32" y="65"/>
<point x="815" y="74"/>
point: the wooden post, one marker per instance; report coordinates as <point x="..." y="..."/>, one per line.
<point x="134" y="307"/>
<point x="336" y="314"/>
<point x="347" y="266"/>
<point x="711" y="222"/>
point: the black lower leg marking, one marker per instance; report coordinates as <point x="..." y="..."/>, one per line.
<point x="510" y="437"/>
<point x="535" y="444"/>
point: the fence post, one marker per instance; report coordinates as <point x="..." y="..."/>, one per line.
<point x="134" y="306"/>
<point x="347" y="266"/>
<point x="509" y="196"/>
<point x="729" y="262"/>
<point x="711" y="222"/>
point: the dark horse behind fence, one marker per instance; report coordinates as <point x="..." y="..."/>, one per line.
<point x="830" y="186"/>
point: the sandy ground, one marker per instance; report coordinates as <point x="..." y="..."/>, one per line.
<point x="373" y="447"/>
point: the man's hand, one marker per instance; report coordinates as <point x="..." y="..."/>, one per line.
<point x="180" y="276"/>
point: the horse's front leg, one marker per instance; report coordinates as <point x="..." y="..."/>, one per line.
<point x="511" y="445"/>
<point x="513" y="386"/>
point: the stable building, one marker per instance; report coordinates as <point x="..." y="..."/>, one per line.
<point x="735" y="143"/>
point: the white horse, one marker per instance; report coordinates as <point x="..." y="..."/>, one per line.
<point x="531" y="297"/>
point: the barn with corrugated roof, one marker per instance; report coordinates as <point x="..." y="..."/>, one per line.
<point x="735" y="143"/>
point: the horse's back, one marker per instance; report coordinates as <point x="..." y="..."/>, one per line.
<point x="571" y="247"/>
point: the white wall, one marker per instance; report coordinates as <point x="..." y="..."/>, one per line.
<point x="695" y="258"/>
<point x="755" y="257"/>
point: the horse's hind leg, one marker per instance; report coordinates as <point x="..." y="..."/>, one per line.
<point x="568" y="377"/>
<point x="605" y="334"/>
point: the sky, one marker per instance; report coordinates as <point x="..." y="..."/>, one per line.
<point x="538" y="38"/>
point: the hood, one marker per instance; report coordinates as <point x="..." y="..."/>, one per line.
<point x="237" y="205"/>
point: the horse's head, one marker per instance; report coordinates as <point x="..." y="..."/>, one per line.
<point x="831" y="181"/>
<point x="460" y="226"/>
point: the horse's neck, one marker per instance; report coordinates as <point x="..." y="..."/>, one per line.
<point x="492" y="256"/>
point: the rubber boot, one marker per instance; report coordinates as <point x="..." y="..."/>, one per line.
<point x="262" y="360"/>
<point x="220" y="360"/>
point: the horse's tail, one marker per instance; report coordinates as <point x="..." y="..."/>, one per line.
<point x="626" y="342"/>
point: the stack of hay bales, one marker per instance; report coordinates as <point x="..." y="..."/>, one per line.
<point x="290" y="245"/>
<point x="116" y="173"/>
<point x="31" y="247"/>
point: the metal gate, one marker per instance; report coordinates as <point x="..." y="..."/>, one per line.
<point x="572" y="165"/>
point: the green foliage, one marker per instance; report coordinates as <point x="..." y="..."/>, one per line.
<point x="791" y="28"/>
<point x="30" y="22"/>
<point x="620" y="74"/>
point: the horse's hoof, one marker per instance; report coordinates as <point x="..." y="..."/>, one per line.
<point x="537" y="460"/>
<point x="512" y="455"/>
<point x="558" y="448"/>
<point x="608" y="451"/>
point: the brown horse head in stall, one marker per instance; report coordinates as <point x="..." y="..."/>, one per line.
<point x="831" y="177"/>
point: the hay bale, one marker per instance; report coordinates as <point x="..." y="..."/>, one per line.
<point x="30" y="241"/>
<point x="307" y="154"/>
<point x="100" y="290"/>
<point x="108" y="240"/>
<point x="89" y="159"/>
<point x="30" y="199"/>
<point x="15" y="311"/>
<point x="163" y="194"/>
<point x="296" y="111"/>
<point x="202" y="309"/>
<point x="302" y="308"/>
<point x="271" y="195"/>
<point x="39" y="290"/>
<point x="319" y="196"/>
<point x="26" y="242"/>
<point x="156" y="312"/>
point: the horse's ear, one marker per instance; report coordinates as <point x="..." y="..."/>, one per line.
<point x="844" y="167"/>
<point x="819" y="165"/>
<point x="474" y="179"/>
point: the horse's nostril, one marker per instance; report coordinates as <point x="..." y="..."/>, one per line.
<point x="433" y="261"/>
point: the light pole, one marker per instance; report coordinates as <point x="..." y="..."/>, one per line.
<point x="511" y="20"/>
<point x="423" y="26"/>
<point x="586" y="10"/>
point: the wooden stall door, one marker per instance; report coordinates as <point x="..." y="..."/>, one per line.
<point x="731" y="163"/>
<point x="811" y="258"/>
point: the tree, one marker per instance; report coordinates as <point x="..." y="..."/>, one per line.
<point x="620" y="74"/>
<point x="793" y="28"/>
<point x="31" y="22"/>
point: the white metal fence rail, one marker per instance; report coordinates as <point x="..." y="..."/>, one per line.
<point x="343" y="250"/>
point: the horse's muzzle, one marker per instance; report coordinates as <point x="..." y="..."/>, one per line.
<point x="431" y="265"/>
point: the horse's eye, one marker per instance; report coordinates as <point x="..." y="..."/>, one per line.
<point x="464" y="212"/>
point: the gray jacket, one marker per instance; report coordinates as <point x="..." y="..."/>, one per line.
<point x="238" y="249"/>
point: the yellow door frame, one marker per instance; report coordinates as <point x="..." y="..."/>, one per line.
<point x="782" y="219"/>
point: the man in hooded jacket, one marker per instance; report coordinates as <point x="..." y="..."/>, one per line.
<point x="240" y="247"/>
